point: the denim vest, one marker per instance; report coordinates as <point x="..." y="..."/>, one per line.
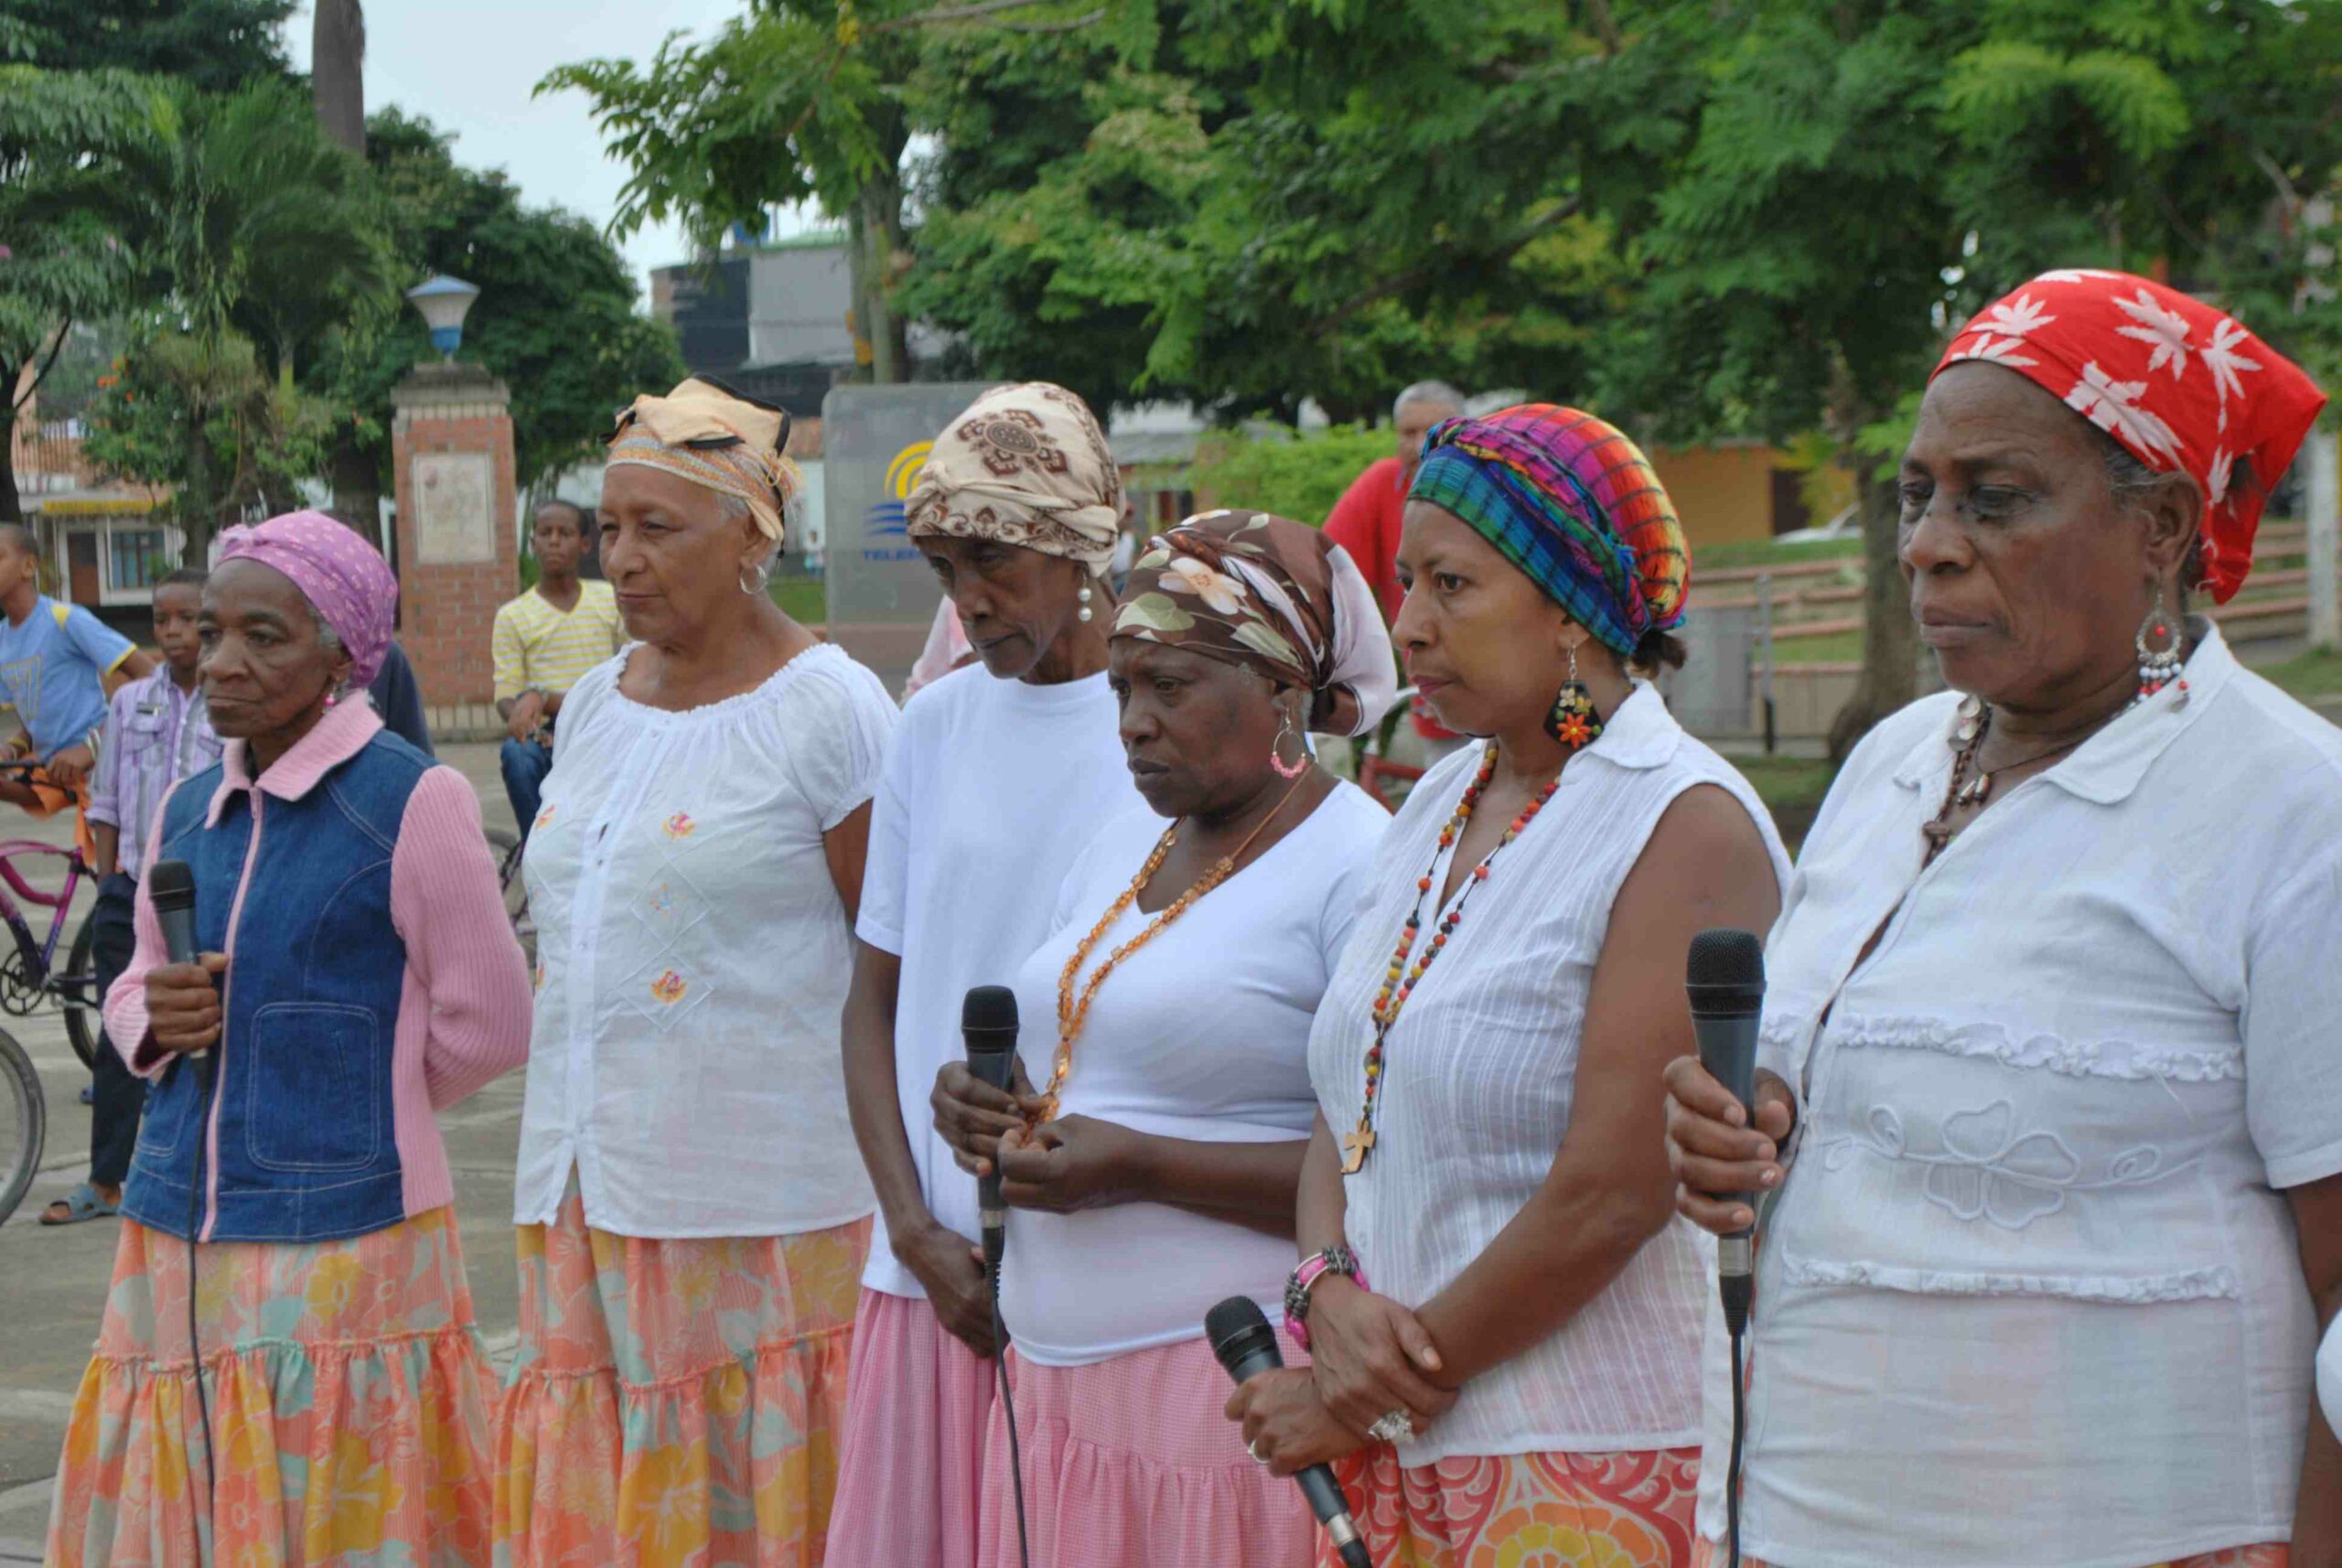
<point x="303" y="1133"/>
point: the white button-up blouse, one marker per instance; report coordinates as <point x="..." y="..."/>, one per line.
<point x="2030" y="1296"/>
<point x="694" y="957"/>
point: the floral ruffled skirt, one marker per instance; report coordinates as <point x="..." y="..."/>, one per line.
<point x="674" y="1401"/>
<point x="349" y="1402"/>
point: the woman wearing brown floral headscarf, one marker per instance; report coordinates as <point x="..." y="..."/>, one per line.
<point x="994" y="780"/>
<point x="1167" y="1020"/>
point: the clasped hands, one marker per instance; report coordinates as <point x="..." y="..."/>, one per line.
<point x="1057" y="1166"/>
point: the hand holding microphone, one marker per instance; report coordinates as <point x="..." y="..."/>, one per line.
<point x="1727" y="1123"/>
<point x="1240" y="1336"/>
<point x="182" y="996"/>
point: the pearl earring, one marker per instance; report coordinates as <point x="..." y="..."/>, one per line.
<point x="1087" y="612"/>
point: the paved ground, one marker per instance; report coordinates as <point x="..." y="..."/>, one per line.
<point x="53" y="1281"/>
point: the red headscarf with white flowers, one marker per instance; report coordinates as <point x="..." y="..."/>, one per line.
<point x="2181" y="385"/>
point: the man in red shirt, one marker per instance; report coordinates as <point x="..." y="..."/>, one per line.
<point x="1364" y="521"/>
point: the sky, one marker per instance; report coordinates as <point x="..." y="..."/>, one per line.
<point x="469" y="65"/>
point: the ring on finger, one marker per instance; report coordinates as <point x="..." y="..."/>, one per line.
<point x="1254" y="1448"/>
<point x="1394" y="1426"/>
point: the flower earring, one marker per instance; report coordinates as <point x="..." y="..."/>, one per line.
<point x="1277" y="753"/>
<point x="1085" y="596"/>
<point x="2160" y="662"/>
<point x="1573" y="720"/>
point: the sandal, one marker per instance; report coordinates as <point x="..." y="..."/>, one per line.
<point x="81" y="1204"/>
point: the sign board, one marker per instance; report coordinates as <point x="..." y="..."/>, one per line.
<point x="874" y="440"/>
<point x="454" y="508"/>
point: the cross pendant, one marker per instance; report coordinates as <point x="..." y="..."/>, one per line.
<point x="1354" y="1148"/>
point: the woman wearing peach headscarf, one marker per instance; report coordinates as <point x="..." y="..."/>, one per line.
<point x="692" y="1215"/>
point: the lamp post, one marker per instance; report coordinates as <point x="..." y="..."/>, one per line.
<point x="443" y="301"/>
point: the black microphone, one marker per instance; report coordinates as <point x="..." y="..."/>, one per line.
<point x="171" y="886"/>
<point x="1240" y="1336"/>
<point x="988" y="1024"/>
<point x="1725" y="977"/>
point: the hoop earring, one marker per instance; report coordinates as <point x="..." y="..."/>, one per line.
<point x="1573" y="720"/>
<point x="761" y="571"/>
<point x="1277" y="752"/>
<point x="2159" y="666"/>
<point x="1085" y="596"/>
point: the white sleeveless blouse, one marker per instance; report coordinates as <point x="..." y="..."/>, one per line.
<point x="1479" y="1077"/>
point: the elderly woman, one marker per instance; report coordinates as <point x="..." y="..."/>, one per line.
<point x="1153" y="1173"/>
<point x="1504" y="1317"/>
<point x="691" y="1217"/>
<point x="996" y="779"/>
<point x="2049" y="1038"/>
<point x="324" y="1396"/>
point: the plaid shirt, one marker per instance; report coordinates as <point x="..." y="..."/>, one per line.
<point x="156" y="734"/>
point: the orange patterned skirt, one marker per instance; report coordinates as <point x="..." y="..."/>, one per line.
<point x="349" y="1397"/>
<point x="674" y="1401"/>
<point x="2274" y="1556"/>
<point x="1627" y="1510"/>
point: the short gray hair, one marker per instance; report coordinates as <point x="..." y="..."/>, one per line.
<point x="1439" y="393"/>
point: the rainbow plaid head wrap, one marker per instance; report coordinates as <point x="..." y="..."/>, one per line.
<point x="1572" y="503"/>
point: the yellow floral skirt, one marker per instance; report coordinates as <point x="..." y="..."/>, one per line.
<point x="349" y="1402"/>
<point x="675" y="1401"/>
<point x="1627" y="1510"/>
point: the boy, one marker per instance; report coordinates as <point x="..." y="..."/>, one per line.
<point x="545" y="640"/>
<point x="156" y="733"/>
<point x="54" y="659"/>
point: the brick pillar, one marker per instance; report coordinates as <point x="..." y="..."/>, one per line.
<point x="451" y="450"/>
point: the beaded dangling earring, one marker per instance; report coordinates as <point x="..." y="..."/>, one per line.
<point x="1574" y="721"/>
<point x="332" y="698"/>
<point x="1085" y="596"/>
<point x="1277" y="753"/>
<point x="2160" y="662"/>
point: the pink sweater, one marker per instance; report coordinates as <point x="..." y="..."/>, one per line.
<point x="465" y="1007"/>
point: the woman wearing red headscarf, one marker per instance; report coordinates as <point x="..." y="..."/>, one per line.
<point x="2052" y="1107"/>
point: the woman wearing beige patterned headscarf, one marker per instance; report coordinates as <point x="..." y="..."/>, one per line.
<point x="995" y="780"/>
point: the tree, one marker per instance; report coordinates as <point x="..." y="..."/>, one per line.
<point x="555" y="319"/>
<point x="801" y="101"/>
<point x="216" y="46"/>
<point x="338" y="72"/>
<point x="61" y="259"/>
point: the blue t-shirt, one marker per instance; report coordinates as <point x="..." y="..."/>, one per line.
<point x="52" y="669"/>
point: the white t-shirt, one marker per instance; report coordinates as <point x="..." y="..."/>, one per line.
<point x="1203" y="1034"/>
<point x="2329" y="1376"/>
<point x="991" y="789"/>
<point x="1479" y="1078"/>
<point x="2030" y="1296"/>
<point x="693" y="957"/>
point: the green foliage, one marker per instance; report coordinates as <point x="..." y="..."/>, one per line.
<point x="1300" y="477"/>
<point x="555" y="319"/>
<point x="217" y="45"/>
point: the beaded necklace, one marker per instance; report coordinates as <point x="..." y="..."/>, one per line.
<point x="1391" y="1000"/>
<point x="1072" y="1014"/>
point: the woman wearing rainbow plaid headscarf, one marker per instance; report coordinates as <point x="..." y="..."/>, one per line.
<point x="1505" y="1319"/>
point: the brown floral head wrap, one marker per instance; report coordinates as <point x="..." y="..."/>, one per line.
<point x="1275" y="595"/>
<point x="707" y="434"/>
<point x="1026" y="466"/>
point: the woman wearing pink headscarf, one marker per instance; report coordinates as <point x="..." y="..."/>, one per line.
<point x="288" y="1369"/>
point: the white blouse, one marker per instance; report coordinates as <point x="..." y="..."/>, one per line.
<point x="1479" y="1074"/>
<point x="693" y="957"/>
<point x="1202" y="1033"/>
<point x="2030" y="1296"/>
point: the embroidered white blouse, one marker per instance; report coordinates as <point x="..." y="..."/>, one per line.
<point x="1488" y="1044"/>
<point x="2030" y="1296"/>
<point x="693" y="956"/>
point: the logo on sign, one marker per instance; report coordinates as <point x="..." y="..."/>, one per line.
<point x="888" y="519"/>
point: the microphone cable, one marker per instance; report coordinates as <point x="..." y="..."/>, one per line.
<point x="1007" y="1402"/>
<point x="1737" y="1296"/>
<point x="194" y="1345"/>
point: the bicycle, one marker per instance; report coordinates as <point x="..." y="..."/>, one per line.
<point x="507" y="846"/>
<point x="30" y="977"/>
<point x="24" y="1124"/>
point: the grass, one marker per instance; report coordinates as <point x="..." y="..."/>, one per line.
<point x="2318" y="673"/>
<point x="1835" y="647"/>
<point x="802" y="599"/>
<point x="1765" y="552"/>
<point x="1788" y="783"/>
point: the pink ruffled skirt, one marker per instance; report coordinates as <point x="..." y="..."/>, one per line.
<point x="916" y="1403"/>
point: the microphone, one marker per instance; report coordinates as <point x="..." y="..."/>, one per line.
<point x="1240" y="1336"/>
<point x="1725" y="976"/>
<point x="171" y="886"/>
<point x="988" y="1025"/>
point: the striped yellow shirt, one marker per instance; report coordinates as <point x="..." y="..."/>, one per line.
<point x="537" y="645"/>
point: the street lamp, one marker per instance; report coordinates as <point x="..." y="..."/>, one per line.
<point x="443" y="301"/>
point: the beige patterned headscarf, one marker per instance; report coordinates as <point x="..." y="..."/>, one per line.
<point x="706" y="434"/>
<point x="1026" y="465"/>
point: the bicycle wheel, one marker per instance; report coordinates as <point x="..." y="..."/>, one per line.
<point x="24" y="1124"/>
<point x="507" y="846"/>
<point x="75" y="991"/>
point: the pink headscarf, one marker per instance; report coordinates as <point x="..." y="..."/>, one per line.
<point x="350" y="585"/>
